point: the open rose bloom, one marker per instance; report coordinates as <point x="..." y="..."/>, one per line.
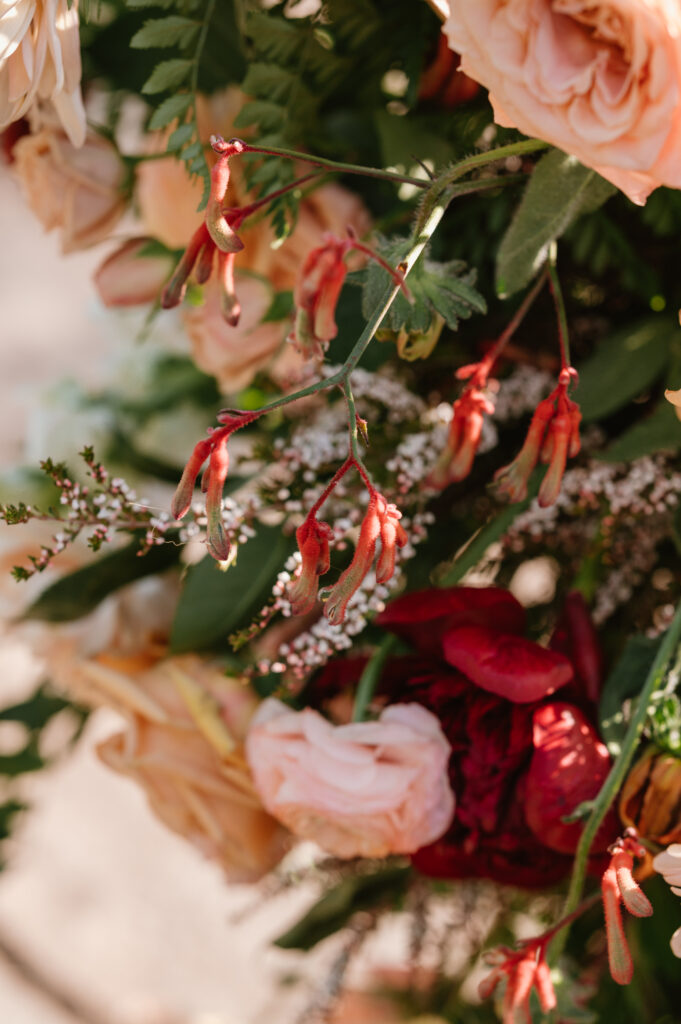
<point x="519" y="722"/>
<point x="366" y="789"/>
<point x="600" y="80"/>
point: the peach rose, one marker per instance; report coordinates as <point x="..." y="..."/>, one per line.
<point x="167" y="201"/>
<point x="40" y="60"/>
<point x="367" y="789"/>
<point x="601" y="81"/>
<point x="132" y="275"/>
<point x="186" y="721"/>
<point x="75" y="190"/>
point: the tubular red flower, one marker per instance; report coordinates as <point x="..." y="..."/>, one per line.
<point x="182" y="498"/>
<point x="174" y="291"/>
<point x="313" y="543"/>
<point x="512" y="479"/>
<point x="393" y="536"/>
<point x="618" y="886"/>
<point x="216" y="540"/>
<point x="218" y="221"/>
<point x="524" y="970"/>
<point x="229" y="303"/>
<point x="338" y="596"/>
<point x="465" y="431"/>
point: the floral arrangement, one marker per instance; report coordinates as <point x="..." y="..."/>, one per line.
<point x="397" y="284"/>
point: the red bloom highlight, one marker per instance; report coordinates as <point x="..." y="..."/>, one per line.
<point x="553" y="436"/>
<point x="465" y="431"/>
<point x="569" y="766"/>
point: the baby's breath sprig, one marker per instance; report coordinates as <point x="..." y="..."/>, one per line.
<point x="106" y="507"/>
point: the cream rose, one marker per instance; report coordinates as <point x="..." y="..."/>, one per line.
<point x="600" y="80"/>
<point x="40" y="60"/>
<point x="75" y="190"/>
<point x="183" y="745"/>
<point x="367" y="789"/>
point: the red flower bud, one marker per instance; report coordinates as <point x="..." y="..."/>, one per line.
<point x="392" y="536"/>
<point x="182" y="498"/>
<point x="512" y="479"/>
<point x="456" y="460"/>
<point x="618" y="886"/>
<point x="229" y="303"/>
<point x="217" y="541"/>
<point x="313" y="543"/>
<point x="174" y="291"/>
<point x="339" y="595"/>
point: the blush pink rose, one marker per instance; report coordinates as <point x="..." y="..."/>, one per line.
<point x="600" y="80"/>
<point x="367" y="789"/>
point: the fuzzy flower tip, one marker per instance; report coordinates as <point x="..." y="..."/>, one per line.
<point x="381" y="522"/>
<point x="619" y="886"/>
<point x="313" y="543"/>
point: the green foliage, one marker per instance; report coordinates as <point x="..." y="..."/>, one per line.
<point x="444" y="288"/>
<point x="659" y="431"/>
<point x="624" y="683"/>
<point x="171" y="108"/>
<point x="559" y="191"/>
<point x="333" y="911"/>
<point x="169" y="74"/>
<point x="624" y="365"/>
<point x="77" y="593"/>
<point x="173" y="31"/>
<point x="215" y="602"/>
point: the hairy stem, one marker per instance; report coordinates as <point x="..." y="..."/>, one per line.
<point x="338" y="166"/>
<point x="557" y="292"/>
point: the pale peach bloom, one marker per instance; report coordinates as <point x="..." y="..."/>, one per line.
<point x="600" y="80"/>
<point x="77" y="191"/>
<point x="40" y="61"/>
<point x="366" y="789"/>
<point x="668" y="864"/>
<point x="167" y="201"/>
<point x="183" y="744"/>
<point x="132" y="275"/>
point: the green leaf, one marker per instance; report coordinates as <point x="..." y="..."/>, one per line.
<point x="660" y="431"/>
<point x="35" y="712"/>
<point x="171" y="108"/>
<point x="624" y="682"/>
<point x="141" y="4"/>
<point x="444" y="288"/>
<point x="450" y="573"/>
<point x="78" y="593"/>
<point x="181" y="136"/>
<point x="624" y="365"/>
<point x="270" y="80"/>
<point x="336" y="907"/>
<point x="168" y="75"/>
<point x="559" y="191"/>
<point x="163" y="32"/>
<point x="215" y="603"/>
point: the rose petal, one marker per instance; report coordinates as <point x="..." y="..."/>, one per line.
<point x="569" y="766"/>
<point x="423" y="617"/>
<point x="507" y="665"/>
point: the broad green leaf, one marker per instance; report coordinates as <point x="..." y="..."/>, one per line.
<point x="163" y="32"/>
<point x="215" y="603"/>
<point x="624" y="682"/>
<point x="141" y="4"/>
<point x="78" y="593"/>
<point x="559" y="190"/>
<point x="624" y="365"/>
<point x="168" y="75"/>
<point x="660" y="431"/>
<point x="333" y="911"/>
<point x="444" y="288"/>
<point x="171" y="108"/>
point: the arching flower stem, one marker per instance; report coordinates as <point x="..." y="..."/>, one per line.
<point x="557" y="292"/>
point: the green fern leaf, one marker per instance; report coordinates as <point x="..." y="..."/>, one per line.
<point x="171" y="108"/>
<point x="168" y="75"/>
<point x="174" y="30"/>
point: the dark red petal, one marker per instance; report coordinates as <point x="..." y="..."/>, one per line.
<point x="569" y="765"/>
<point x="576" y="637"/>
<point x="424" y="616"/>
<point x="509" y="666"/>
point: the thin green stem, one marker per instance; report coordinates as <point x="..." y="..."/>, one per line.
<point x="615" y="778"/>
<point x="371" y="676"/>
<point x="338" y="166"/>
<point x="246" y="211"/>
<point x="557" y="293"/>
<point x="517" y="319"/>
<point x="352" y="421"/>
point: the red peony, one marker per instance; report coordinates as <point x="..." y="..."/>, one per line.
<point x="521" y="761"/>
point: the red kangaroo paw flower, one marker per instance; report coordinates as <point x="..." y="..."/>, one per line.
<point x="512" y="479"/>
<point x="313" y="543"/>
<point x="182" y="498"/>
<point x="618" y="885"/>
<point x="204" y="264"/>
<point x="393" y="536"/>
<point x="559" y="436"/>
<point x="174" y="291"/>
<point x="633" y="897"/>
<point x="218" y="222"/>
<point x="217" y="541"/>
<point x="456" y="460"/>
<point x="229" y="303"/>
<point x="339" y="595"/>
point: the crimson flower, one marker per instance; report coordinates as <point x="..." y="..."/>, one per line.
<point x="521" y="760"/>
